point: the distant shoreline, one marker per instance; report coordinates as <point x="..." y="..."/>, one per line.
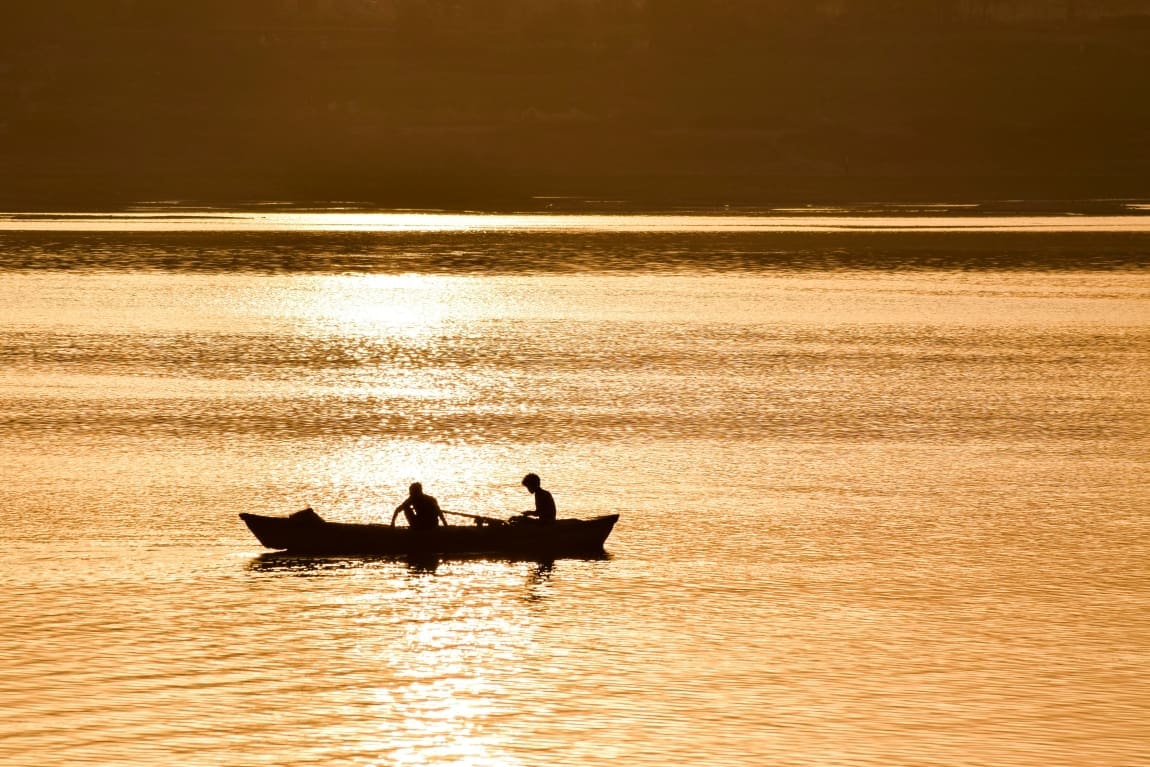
<point x="79" y="192"/>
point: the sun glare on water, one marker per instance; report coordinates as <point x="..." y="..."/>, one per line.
<point x="779" y="220"/>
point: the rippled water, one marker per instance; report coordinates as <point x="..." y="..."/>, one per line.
<point x="883" y="495"/>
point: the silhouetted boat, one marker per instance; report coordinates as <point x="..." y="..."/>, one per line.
<point x="306" y="532"/>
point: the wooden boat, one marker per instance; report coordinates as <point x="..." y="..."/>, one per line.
<point x="305" y="532"/>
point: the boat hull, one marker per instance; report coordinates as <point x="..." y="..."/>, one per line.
<point x="309" y="534"/>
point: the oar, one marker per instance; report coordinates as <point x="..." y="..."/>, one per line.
<point x="476" y="517"/>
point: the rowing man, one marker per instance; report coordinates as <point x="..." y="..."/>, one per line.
<point x="544" y="503"/>
<point x="420" y="509"/>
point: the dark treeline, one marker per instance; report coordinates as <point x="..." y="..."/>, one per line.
<point x="445" y="101"/>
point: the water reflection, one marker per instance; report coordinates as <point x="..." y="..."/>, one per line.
<point x="929" y="549"/>
<point x="518" y="252"/>
<point x="896" y="218"/>
<point x="542" y="571"/>
<point x="419" y="655"/>
<point x="539" y="581"/>
<point x="539" y="571"/>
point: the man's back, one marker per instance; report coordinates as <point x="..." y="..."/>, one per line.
<point x="425" y="510"/>
<point x="544" y="506"/>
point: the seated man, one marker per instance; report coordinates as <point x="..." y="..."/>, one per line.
<point x="544" y="503"/>
<point x="421" y="510"/>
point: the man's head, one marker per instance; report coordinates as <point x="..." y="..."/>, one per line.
<point x="531" y="482"/>
<point x="416" y="489"/>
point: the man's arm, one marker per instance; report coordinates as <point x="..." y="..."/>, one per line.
<point x="398" y="509"/>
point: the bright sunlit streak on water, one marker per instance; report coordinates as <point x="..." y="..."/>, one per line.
<point x="444" y="691"/>
<point x="406" y="304"/>
<point x="160" y="221"/>
<point x="440" y="633"/>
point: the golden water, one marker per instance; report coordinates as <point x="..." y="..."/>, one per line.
<point x="882" y="503"/>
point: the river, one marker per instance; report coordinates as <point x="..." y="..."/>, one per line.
<point x="881" y="478"/>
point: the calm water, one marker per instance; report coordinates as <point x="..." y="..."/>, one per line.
<point x="883" y="486"/>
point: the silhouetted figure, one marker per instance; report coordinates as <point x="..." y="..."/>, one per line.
<point x="421" y="510"/>
<point x="544" y="503"/>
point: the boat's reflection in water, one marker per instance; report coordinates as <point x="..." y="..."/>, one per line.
<point x="536" y="572"/>
<point x="416" y="564"/>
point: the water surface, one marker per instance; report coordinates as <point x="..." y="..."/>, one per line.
<point x="883" y="493"/>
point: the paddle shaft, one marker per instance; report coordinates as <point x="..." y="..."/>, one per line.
<point x="489" y="520"/>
